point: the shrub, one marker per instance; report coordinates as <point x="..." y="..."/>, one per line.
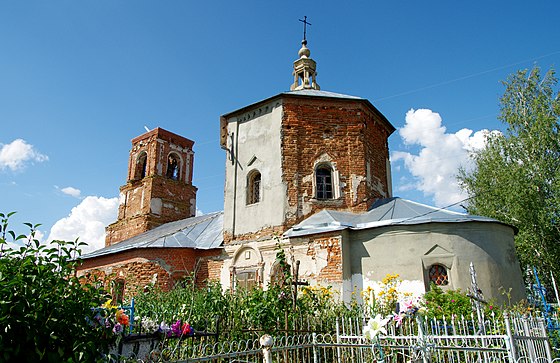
<point x="439" y="303"/>
<point x="45" y="312"/>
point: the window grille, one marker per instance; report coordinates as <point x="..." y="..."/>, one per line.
<point x="438" y="275"/>
<point x="254" y="188"/>
<point x="324" y="184"/>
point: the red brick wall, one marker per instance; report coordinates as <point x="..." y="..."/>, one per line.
<point x="350" y="133"/>
<point x="209" y="270"/>
<point x="176" y="197"/>
<point x="333" y="271"/>
<point x="138" y="266"/>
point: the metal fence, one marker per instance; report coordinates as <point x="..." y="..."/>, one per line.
<point x="507" y="339"/>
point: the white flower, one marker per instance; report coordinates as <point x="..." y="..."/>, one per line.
<point x="164" y="327"/>
<point x="375" y="326"/>
<point x="148" y="324"/>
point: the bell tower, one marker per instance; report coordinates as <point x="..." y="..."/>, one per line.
<point x="159" y="185"/>
<point x="305" y="74"/>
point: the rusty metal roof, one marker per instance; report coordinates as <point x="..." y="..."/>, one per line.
<point x="201" y="232"/>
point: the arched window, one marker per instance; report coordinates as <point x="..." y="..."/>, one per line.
<point x="438" y="275"/>
<point x="173" y="166"/>
<point x="245" y="279"/>
<point x="141" y="166"/>
<point x="254" y="187"/>
<point x="324" y="182"/>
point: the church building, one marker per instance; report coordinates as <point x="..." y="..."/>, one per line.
<point x="307" y="171"/>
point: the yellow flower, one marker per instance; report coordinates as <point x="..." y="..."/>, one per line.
<point x="108" y="305"/>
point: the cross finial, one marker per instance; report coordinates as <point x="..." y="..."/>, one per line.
<point x="305" y="24"/>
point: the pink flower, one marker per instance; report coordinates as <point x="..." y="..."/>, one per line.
<point x="398" y="319"/>
<point x="407" y="305"/>
<point x="176" y="328"/>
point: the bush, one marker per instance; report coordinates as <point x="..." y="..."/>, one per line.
<point x="242" y="313"/>
<point x="439" y="303"/>
<point x="46" y="314"/>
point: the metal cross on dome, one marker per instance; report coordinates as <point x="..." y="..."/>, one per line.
<point x="305" y="24"/>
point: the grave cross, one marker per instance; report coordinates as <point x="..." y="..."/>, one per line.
<point x="305" y="24"/>
<point x="477" y="299"/>
<point x="297" y="283"/>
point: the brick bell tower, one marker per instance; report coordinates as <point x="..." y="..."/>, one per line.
<point x="159" y="187"/>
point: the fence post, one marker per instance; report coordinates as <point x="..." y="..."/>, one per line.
<point x="422" y="342"/>
<point x="338" y="340"/>
<point x="315" y="359"/>
<point x="530" y="342"/>
<point x="544" y="333"/>
<point x="510" y="343"/>
<point x="266" y="343"/>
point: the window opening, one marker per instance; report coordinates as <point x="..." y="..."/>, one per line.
<point x="323" y="175"/>
<point x="141" y="166"/>
<point x="246" y="279"/>
<point x="173" y="167"/>
<point x="438" y="275"/>
<point x="254" y="188"/>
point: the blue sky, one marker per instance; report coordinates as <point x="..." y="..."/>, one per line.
<point x="80" y="79"/>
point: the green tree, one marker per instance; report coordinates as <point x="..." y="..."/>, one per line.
<point x="516" y="178"/>
<point x="46" y="312"/>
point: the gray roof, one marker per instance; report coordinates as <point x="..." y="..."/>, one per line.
<point x="202" y="232"/>
<point x="318" y="93"/>
<point x="313" y="93"/>
<point x="385" y="212"/>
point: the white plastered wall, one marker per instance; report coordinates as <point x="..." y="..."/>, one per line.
<point x="254" y="139"/>
<point x="410" y="250"/>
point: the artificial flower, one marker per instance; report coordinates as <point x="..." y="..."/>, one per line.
<point x="164" y="328"/>
<point x="118" y="328"/>
<point x="109" y="305"/>
<point x="176" y="328"/>
<point x="122" y="318"/>
<point x="186" y="329"/>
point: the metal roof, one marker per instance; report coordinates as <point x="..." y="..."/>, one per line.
<point x="385" y="212"/>
<point x="202" y="232"/>
<point x="313" y="93"/>
<point x="318" y="93"/>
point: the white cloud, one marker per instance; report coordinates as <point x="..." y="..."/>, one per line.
<point x="441" y="154"/>
<point x="87" y="221"/>
<point x="17" y="154"/>
<point x="71" y="191"/>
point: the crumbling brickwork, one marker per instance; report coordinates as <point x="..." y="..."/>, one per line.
<point x="139" y="266"/>
<point x="347" y="134"/>
<point x="209" y="270"/>
<point x="332" y="272"/>
<point x="159" y="187"/>
<point x="265" y="233"/>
